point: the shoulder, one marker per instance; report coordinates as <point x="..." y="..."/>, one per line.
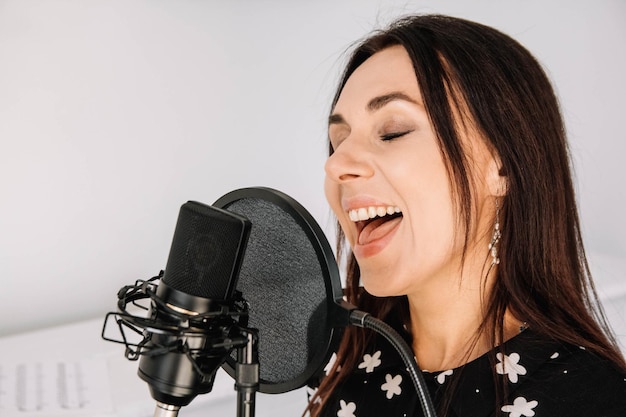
<point x="568" y="380"/>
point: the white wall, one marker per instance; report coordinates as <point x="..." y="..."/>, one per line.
<point x="115" y="112"/>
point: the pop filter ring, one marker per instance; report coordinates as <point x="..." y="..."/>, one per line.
<point x="330" y="272"/>
<point x="339" y="313"/>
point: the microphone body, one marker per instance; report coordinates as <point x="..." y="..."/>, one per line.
<point x="195" y="296"/>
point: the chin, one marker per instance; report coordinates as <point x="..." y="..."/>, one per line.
<point x="380" y="288"/>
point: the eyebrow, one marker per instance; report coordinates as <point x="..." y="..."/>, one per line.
<point x="379" y="102"/>
<point x="375" y="104"/>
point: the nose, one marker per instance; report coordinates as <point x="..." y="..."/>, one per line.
<point x="350" y="161"/>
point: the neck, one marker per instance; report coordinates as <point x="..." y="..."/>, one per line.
<point x="444" y="332"/>
<point x="446" y="323"/>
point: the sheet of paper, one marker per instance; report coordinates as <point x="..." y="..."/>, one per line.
<point x="69" y="371"/>
<point x="55" y="387"/>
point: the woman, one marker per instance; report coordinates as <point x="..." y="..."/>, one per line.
<point x="449" y="175"/>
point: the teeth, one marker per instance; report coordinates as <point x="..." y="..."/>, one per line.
<point x="366" y="213"/>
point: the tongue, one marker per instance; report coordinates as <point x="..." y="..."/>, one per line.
<point x="378" y="228"/>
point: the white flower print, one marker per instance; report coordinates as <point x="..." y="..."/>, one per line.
<point x="509" y="365"/>
<point x="392" y="386"/>
<point x="441" y="378"/>
<point x="521" y="407"/>
<point x="311" y="392"/>
<point x="554" y="355"/>
<point x="331" y="363"/>
<point x="370" y="362"/>
<point x="347" y="410"/>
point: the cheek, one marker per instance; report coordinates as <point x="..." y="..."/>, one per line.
<point x="423" y="183"/>
<point x="421" y="179"/>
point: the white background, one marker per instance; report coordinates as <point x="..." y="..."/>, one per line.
<point x="113" y="113"/>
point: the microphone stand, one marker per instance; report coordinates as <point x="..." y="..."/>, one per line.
<point x="247" y="375"/>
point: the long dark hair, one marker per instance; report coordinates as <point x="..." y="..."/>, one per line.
<point x="543" y="277"/>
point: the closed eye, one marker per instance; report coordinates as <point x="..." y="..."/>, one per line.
<point x="395" y="135"/>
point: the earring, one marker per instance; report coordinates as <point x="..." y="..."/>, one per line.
<point x="496" y="237"/>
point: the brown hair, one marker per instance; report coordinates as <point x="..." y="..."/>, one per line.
<point x="543" y="276"/>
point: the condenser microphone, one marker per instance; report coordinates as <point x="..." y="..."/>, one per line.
<point x="195" y="296"/>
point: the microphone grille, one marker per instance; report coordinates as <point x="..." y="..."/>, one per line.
<point x="206" y="251"/>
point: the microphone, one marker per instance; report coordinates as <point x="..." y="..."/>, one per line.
<point x="196" y="317"/>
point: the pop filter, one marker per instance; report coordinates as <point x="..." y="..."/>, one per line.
<point x="290" y="279"/>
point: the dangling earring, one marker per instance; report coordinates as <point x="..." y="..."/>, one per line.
<point x="495" y="238"/>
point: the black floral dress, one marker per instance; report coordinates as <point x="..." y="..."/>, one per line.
<point x="543" y="378"/>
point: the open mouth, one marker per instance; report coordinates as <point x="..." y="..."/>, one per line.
<point x="374" y="223"/>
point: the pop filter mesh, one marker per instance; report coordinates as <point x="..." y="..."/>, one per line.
<point x="282" y="279"/>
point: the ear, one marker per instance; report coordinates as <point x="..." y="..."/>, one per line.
<point x="497" y="181"/>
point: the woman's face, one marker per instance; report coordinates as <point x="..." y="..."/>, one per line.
<point x="387" y="181"/>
